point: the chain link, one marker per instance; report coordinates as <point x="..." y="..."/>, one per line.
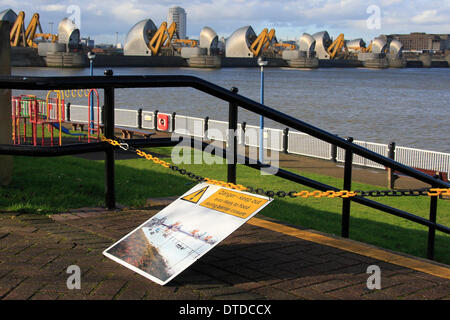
<point x="433" y="192"/>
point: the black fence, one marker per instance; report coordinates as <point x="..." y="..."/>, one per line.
<point x="109" y="83"/>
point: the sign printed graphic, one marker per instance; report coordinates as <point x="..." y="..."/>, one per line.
<point x="195" y="196"/>
<point x="173" y="239"/>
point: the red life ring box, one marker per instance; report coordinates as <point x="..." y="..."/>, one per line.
<point x="163" y="122"/>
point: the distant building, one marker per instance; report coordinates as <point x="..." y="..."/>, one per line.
<point x="178" y="15"/>
<point x="87" y="42"/>
<point x="420" y="41"/>
<point x="446" y="39"/>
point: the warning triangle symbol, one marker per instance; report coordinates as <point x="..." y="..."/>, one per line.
<point x="195" y="196"/>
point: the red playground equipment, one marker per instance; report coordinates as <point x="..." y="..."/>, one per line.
<point x="36" y="111"/>
<point x="29" y="111"/>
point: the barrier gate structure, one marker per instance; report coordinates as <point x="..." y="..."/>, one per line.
<point x="109" y="83"/>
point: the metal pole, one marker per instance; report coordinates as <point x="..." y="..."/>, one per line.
<point x="140" y="118"/>
<point x="232" y="140"/>
<point x="205" y="128"/>
<point x="92" y="120"/>
<point x="390" y="172"/>
<point x="345" y="228"/>
<point x="285" y="140"/>
<point x="261" y="121"/>
<point x="432" y="230"/>
<point x="110" y="197"/>
<point x="6" y="162"/>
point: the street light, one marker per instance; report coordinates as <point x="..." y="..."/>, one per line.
<point x="262" y="62"/>
<point x="91" y="57"/>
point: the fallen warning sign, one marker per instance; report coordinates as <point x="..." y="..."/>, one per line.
<point x="233" y="202"/>
<point x="169" y="242"/>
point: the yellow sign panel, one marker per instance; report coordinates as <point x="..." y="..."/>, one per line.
<point x="195" y="196"/>
<point x="235" y="203"/>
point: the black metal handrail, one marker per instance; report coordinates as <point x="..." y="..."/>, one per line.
<point x="110" y="82"/>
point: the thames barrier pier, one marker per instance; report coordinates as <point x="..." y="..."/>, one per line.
<point x="149" y="45"/>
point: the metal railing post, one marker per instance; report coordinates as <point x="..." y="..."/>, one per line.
<point x="333" y="152"/>
<point x="391" y="177"/>
<point x="347" y="186"/>
<point x="243" y="127"/>
<point x="285" y="140"/>
<point x="102" y="114"/>
<point x="232" y="140"/>
<point x="155" y="120"/>
<point x="139" y="120"/>
<point x="205" y="128"/>
<point x="173" y="121"/>
<point x="110" y="196"/>
<point x="68" y="112"/>
<point x="432" y="230"/>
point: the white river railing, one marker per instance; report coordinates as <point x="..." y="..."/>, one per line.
<point x="274" y="139"/>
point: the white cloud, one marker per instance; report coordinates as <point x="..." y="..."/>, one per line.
<point x="127" y="11"/>
<point x="52" y="7"/>
<point x="390" y="2"/>
<point x="429" y="17"/>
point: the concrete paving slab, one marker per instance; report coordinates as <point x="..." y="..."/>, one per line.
<point x="264" y="259"/>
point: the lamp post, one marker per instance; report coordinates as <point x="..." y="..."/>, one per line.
<point x="91" y="57"/>
<point x="262" y="62"/>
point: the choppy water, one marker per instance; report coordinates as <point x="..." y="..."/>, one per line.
<point x="408" y="106"/>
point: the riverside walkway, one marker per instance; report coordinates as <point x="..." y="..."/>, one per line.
<point x="264" y="259"/>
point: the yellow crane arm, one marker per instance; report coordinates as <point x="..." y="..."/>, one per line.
<point x="193" y="43"/>
<point x="285" y="45"/>
<point x="47" y="36"/>
<point x="158" y="39"/>
<point x="260" y="41"/>
<point x="30" y="33"/>
<point x="171" y="31"/>
<point x="336" y="46"/>
<point x="18" y="30"/>
<point x="270" y="37"/>
<point x="162" y="37"/>
<point x="27" y="36"/>
<point x="369" y="48"/>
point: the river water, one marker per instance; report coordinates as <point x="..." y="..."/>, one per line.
<point x="409" y="106"/>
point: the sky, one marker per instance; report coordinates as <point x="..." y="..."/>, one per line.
<point x="101" y="19"/>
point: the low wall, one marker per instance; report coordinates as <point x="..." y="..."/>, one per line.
<point x="427" y="61"/>
<point x="251" y="62"/>
<point x="326" y="63"/>
<point x="26" y="57"/>
<point x="102" y="60"/>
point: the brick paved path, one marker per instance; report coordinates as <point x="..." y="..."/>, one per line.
<point x="253" y="263"/>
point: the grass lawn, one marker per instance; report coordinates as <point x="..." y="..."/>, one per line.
<point x="51" y="185"/>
